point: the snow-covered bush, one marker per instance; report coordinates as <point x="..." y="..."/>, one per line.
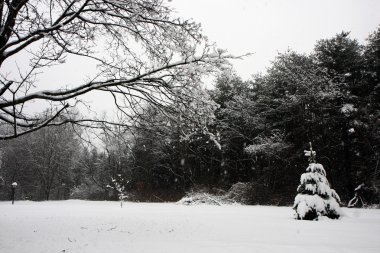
<point x="199" y="198"/>
<point x="207" y="197"/>
<point x="118" y="185"/>
<point x="87" y="191"/>
<point x="248" y="193"/>
<point x="239" y="193"/>
<point x="315" y="197"/>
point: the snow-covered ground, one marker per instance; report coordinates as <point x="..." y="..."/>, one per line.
<point x="84" y="226"/>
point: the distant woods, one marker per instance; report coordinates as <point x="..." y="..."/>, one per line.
<point x="250" y="131"/>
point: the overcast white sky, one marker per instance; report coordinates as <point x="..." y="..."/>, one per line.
<point x="266" y="27"/>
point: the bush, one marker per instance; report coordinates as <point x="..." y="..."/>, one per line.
<point x="239" y="193"/>
<point x="89" y="191"/>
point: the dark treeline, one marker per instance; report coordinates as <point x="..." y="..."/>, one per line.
<point x="251" y="131"/>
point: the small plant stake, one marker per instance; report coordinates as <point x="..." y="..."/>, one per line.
<point x="13" y="187"/>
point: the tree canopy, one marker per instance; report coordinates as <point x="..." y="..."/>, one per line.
<point x="143" y="55"/>
<point x="173" y="135"/>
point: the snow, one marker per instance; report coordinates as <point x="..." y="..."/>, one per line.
<point x="305" y="203"/>
<point x="316" y="183"/>
<point x="359" y="187"/>
<point x="84" y="226"/>
<point x="316" y="167"/>
<point x="213" y="138"/>
<point x="203" y="199"/>
<point x="335" y="195"/>
<point x="347" y="109"/>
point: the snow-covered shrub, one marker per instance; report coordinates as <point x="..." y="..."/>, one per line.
<point x="200" y="198"/>
<point x="315" y="197"/>
<point x="87" y="191"/>
<point x="239" y="193"/>
<point x="248" y="193"/>
<point x="204" y="196"/>
<point x="118" y="185"/>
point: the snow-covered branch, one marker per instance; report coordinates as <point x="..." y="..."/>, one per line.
<point x="144" y="55"/>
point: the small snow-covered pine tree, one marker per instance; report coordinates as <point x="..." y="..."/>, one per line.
<point x="315" y="198"/>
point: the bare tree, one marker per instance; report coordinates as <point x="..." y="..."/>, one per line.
<point x="42" y="161"/>
<point x="142" y="55"/>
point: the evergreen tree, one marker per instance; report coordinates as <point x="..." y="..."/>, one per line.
<point x="315" y="198"/>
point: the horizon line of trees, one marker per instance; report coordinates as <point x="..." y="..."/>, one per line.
<point x="251" y="131"/>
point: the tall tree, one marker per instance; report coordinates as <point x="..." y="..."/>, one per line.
<point x="142" y="54"/>
<point x="234" y="97"/>
<point x="370" y="111"/>
<point x="353" y="68"/>
<point x="176" y="150"/>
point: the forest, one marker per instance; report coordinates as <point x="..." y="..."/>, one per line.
<point x="247" y="132"/>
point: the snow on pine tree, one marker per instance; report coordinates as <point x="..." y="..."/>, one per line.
<point x="315" y="198"/>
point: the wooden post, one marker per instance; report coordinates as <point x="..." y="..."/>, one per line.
<point x="311" y="154"/>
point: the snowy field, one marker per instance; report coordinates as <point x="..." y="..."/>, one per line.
<point x="84" y="226"/>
